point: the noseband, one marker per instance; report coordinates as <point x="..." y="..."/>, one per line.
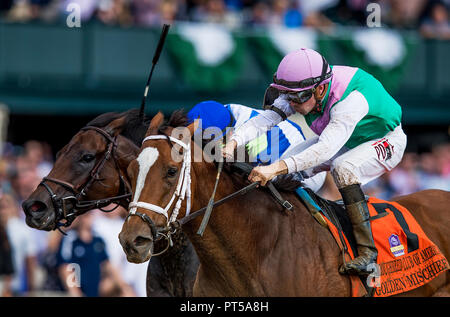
<point x="78" y="206"/>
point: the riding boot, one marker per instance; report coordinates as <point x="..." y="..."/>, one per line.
<point x="358" y="213"/>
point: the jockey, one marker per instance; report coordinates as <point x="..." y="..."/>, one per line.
<point x="359" y="134"/>
<point x="268" y="148"/>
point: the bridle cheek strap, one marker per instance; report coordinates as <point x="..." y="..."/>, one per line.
<point x="182" y="191"/>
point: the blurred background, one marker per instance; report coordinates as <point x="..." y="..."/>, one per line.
<point x="56" y="75"/>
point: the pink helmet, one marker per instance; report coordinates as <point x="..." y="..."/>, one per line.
<point x="302" y="70"/>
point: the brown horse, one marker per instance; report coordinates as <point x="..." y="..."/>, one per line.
<point x="251" y="246"/>
<point x="84" y="165"/>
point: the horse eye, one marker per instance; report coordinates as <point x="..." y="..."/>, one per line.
<point x="88" y="158"/>
<point x="171" y="172"/>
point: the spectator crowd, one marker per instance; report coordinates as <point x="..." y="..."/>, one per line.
<point x="48" y="263"/>
<point x="40" y="262"/>
<point x="428" y="170"/>
<point x="431" y="17"/>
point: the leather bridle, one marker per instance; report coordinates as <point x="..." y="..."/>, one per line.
<point x="79" y="206"/>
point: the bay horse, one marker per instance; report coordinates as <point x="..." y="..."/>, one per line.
<point x="251" y="246"/>
<point x="94" y="163"/>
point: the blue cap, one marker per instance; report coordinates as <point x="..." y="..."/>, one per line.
<point x="212" y="114"/>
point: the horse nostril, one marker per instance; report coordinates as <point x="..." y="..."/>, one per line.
<point x="130" y="249"/>
<point x="140" y="241"/>
<point x="38" y="206"/>
<point x="34" y="206"/>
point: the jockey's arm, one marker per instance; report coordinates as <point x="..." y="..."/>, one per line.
<point x="344" y="117"/>
<point x="262" y="122"/>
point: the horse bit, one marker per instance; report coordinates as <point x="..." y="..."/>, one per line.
<point x="80" y="207"/>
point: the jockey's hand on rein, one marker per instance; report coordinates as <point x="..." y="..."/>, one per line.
<point x="228" y="149"/>
<point x="264" y="173"/>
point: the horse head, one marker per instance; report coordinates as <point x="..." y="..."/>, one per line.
<point x="164" y="162"/>
<point x="91" y="167"/>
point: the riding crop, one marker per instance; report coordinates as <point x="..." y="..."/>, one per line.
<point x="158" y="50"/>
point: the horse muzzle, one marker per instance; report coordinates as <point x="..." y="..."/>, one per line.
<point x="38" y="215"/>
<point x="138" y="247"/>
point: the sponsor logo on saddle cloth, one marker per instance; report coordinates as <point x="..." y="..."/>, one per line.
<point x="397" y="248"/>
<point x="407" y="258"/>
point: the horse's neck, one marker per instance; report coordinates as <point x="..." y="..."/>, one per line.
<point x="127" y="151"/>
<point x="240" y="233"/>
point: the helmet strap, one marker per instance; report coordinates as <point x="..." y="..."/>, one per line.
<point x="318" y="107"/>
<point x="319" y="98"/>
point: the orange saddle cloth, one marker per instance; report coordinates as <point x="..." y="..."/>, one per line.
<point x="407" y="258"/>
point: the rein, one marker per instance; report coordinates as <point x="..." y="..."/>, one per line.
<point x="201" y="211"/>
<point x="80" y="207"/>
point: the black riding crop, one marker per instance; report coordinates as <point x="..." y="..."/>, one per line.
<point x="159" y="48"/>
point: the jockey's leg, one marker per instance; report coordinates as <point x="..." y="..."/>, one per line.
<point x="315" y="182"/>
<point x="358" y="213"/>
<point x="359" y="166"/>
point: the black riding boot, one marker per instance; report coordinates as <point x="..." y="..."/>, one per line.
<point x="358" y="213"/>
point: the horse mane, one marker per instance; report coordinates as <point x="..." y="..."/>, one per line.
<point x="134" y="128"/>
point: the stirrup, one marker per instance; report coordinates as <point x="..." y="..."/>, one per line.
<point x="354" y="268"/>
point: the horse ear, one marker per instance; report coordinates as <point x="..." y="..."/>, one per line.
<point x="193" y="126"/>
<point x="156" y="122"/>
<point x="116" y="126"/>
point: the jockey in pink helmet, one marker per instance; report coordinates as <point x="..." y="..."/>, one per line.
<point x="358" y="127"/>
<point x="299" y="81"/>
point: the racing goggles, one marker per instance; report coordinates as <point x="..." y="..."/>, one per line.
<point x="300" y="96"/>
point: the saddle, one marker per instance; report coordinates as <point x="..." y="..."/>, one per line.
<point x="407" y="258"/>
